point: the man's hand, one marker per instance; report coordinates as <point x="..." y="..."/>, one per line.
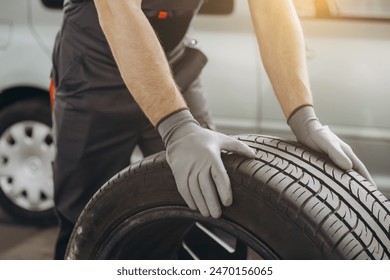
<point x="310" y="132"/>
<point x="194" y="155"/>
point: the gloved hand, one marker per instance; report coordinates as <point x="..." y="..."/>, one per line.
<point x="194" y="155"/>
<point x="310" y="132"/>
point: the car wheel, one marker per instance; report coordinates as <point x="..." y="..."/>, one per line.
<point x="26" y="153"/>
<point x="289" y="203"/>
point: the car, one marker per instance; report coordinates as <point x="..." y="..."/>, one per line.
<point x="27" y="32"/>
<point x="346" y="45"/>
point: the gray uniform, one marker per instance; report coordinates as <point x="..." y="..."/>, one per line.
<point x="97" y="123"/>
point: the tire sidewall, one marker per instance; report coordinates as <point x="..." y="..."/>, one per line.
<point x="25" y="110"/>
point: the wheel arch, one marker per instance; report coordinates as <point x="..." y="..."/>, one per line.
<point x="14" y="94"/>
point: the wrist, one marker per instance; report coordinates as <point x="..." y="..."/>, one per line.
<point x="309" y="110"/>
<point x="302" y="121"/>
<point x="176" y="125"/>
<point x="169" y="115"/>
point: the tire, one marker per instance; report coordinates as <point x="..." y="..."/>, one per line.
<point x="26" y="153"/>
<point x="289" y="203"/>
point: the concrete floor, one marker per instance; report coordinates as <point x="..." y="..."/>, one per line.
<point x="21" y="242"/>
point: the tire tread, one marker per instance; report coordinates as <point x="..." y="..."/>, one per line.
<point x="313" y="191"/>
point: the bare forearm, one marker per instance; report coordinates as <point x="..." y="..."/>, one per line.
<point x="140" y="57"/>
<point x="282" y="50"/>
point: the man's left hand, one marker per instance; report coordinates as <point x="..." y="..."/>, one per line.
<point x="310" y="132"/>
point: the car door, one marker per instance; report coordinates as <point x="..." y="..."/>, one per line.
<point x="45" y="18"/>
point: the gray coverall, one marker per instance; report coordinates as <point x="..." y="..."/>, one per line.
<point x="97" y="124"/>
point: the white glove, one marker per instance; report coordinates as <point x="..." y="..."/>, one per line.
<point x="310" y="132"/>
<point x="194" y="155"/>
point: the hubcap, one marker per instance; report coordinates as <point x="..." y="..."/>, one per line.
<point x="26" y="153"/>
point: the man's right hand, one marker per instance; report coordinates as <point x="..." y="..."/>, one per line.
<point x="194" y="155"/>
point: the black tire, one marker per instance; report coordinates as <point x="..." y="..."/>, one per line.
<point x="26" y="192"/>
<point x="289" y="203"/>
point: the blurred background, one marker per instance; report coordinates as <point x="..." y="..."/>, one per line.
<point x="347" y="46"/>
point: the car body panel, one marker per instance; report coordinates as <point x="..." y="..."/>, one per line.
<point x="26" y="47"/>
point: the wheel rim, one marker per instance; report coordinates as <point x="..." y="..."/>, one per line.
<point x="26" y="153"/>
<point x="179" y="233"/>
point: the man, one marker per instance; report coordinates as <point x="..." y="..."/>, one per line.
<point x="114" y="87"/>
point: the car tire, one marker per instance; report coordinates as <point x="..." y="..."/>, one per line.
<point x="26" y="152"/>
<point x="289" y="203"/>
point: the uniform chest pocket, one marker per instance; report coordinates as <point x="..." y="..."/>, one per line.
<point x="170" y="19"/>
<point x="178" y="5"/>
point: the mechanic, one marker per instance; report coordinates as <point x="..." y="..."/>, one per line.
<point x="126" y="74"/>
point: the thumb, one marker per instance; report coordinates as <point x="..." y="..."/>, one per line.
<point x="338" y="156"/>
<point x="357" y="164"/>
<point x="231" y="144"/>
<point x="330" y="144"/>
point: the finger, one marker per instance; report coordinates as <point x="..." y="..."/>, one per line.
<point x="233" y="145"/>
<point x="329" y="144"/>
<point x="209" y="192"/>
<point x="222" y="182"/>
<point x="338" y="156"/>
<point x="185" y="193"/>
<point x="358" y="165"/>
<point x="184" y="190"/>
<point x="197" y="194"/>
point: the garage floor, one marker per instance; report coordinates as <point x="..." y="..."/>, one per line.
<point x="21" y="242"/>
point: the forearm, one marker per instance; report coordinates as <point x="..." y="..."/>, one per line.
<point x="282" y="49"/>
<point x="140" y="58"/>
